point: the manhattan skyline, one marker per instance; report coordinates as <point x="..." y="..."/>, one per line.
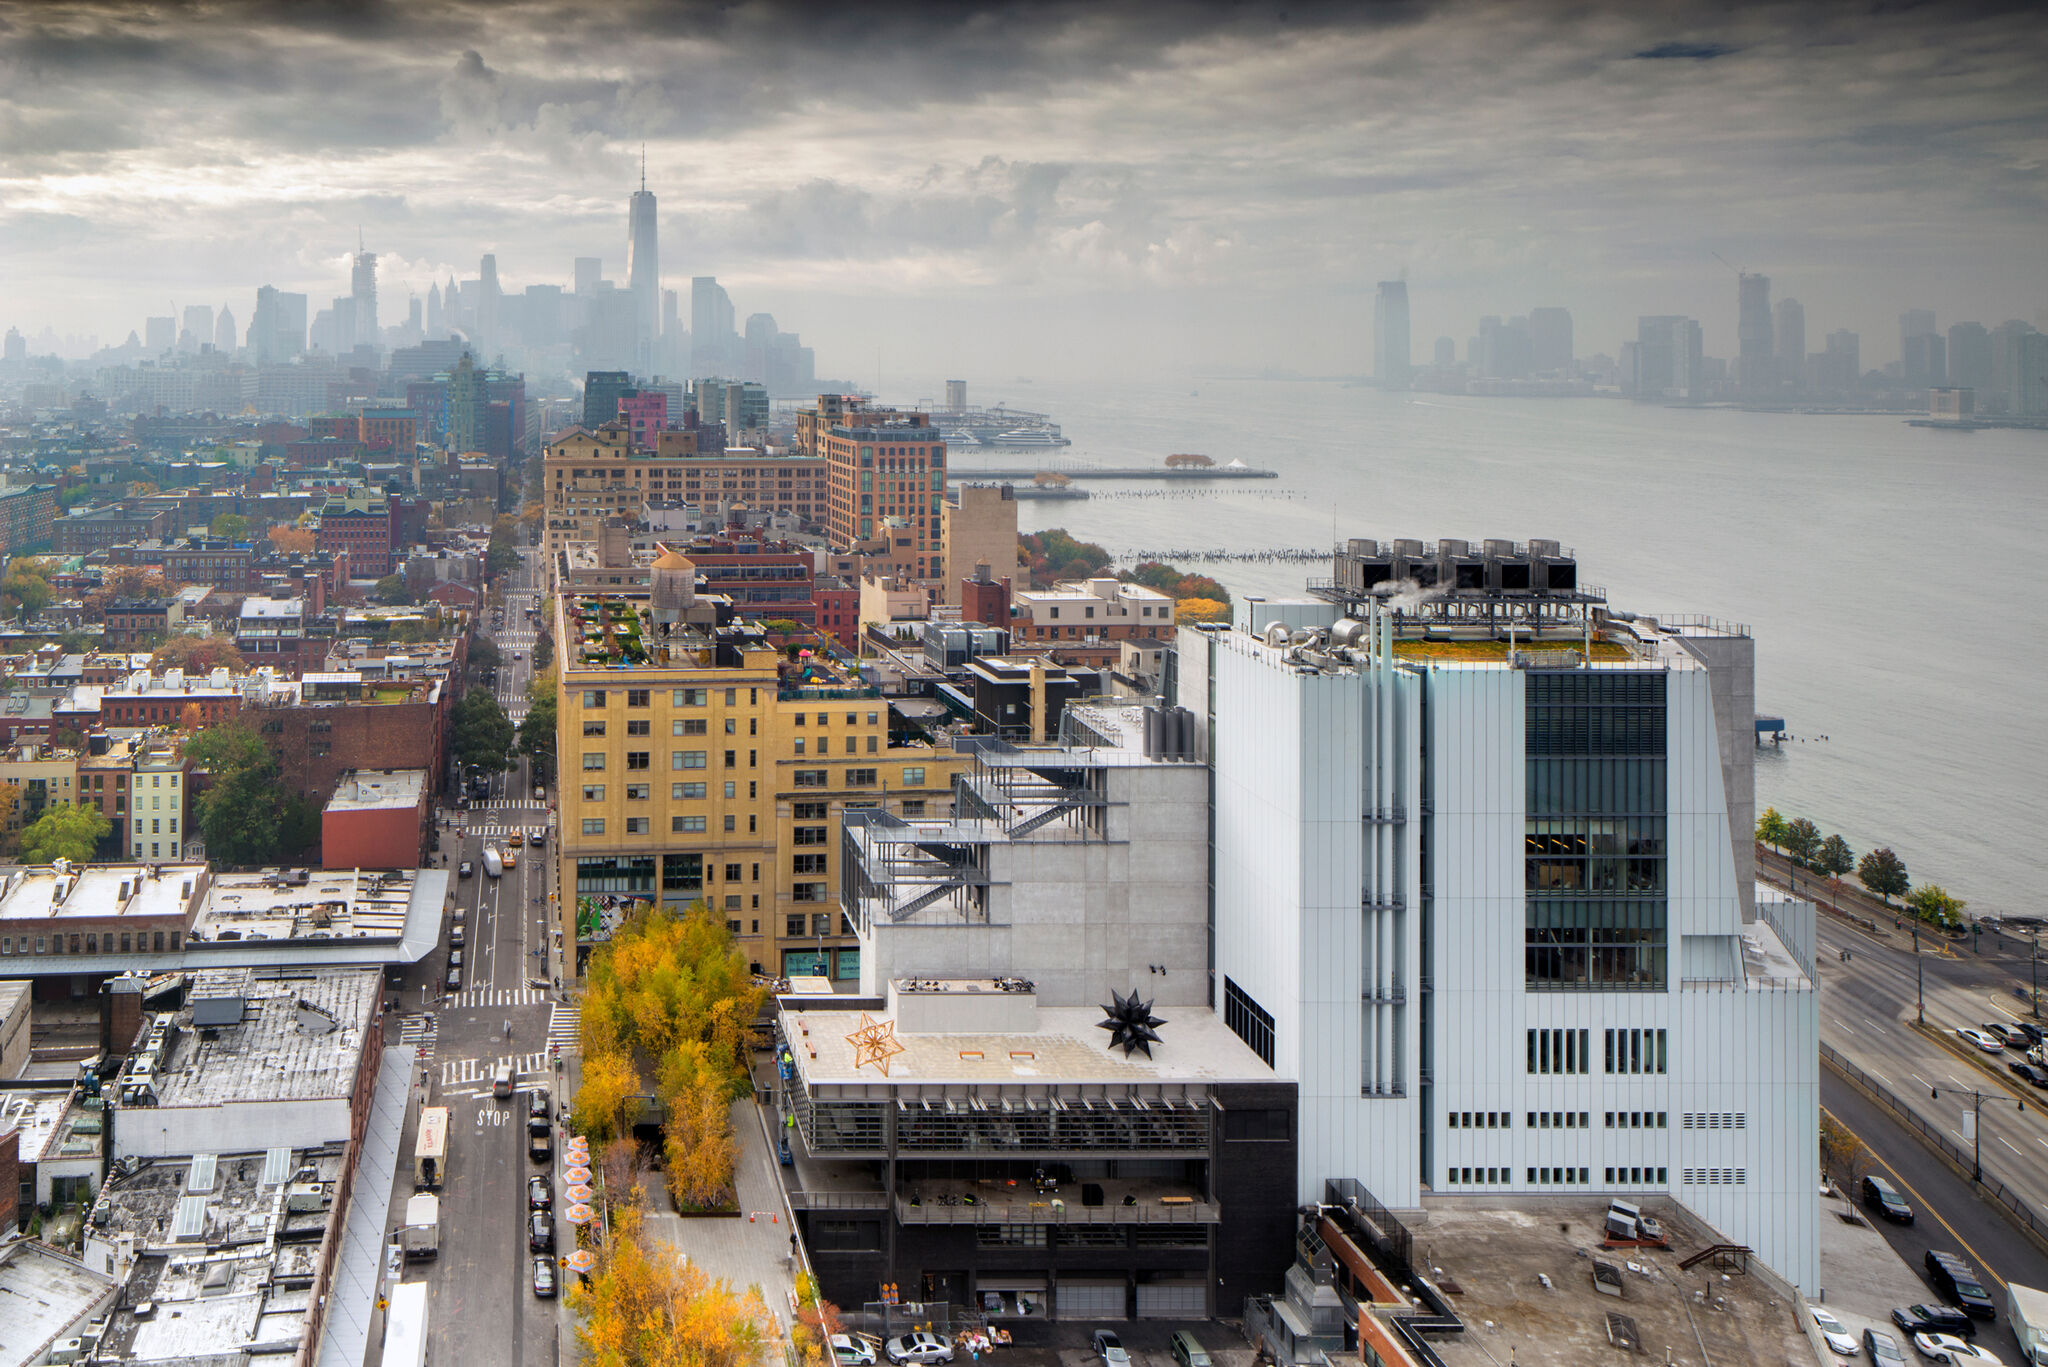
<point x="1036" y="187"/>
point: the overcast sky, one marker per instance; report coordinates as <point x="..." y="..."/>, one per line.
<point x="1060" y="189"/>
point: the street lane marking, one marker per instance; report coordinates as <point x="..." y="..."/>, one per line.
<point x="1924" y="1204"/>
<point x="1838" y="1021"/>
<point x="1880" y="1077"/>
<point x="2008" y="1143"/>
<point x="1875" y="1026"/>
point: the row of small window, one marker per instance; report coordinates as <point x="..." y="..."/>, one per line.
<point x="1540" y="1177"/>
<point x="1569" y="1051"/>
<point x="1557" y="1120"/>
<point x="91" y="943"/>
<point x="679" y="697"/>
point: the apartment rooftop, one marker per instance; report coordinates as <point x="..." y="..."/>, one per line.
<point x="282" y="1034"/>
<point x="296" y="904"/>
<point x="53" y="893"/>
<point x="47" y="1127"/>
<point x="42" y="1295"/>
<point x="390" y="789"/>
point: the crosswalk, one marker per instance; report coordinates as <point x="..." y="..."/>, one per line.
<point x="565" y="1027"/>
<point x="458" y="1072"/>
<point x="508" y="804"/>
<point x="419" y="1031"/>
<point x="488" y="829"/>
<point x="503" y="996"/>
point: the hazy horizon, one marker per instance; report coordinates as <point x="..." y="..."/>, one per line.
<point x="1048" y="189"/>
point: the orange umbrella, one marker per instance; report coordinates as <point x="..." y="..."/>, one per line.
<point x="577" y="1174"/>
<point x="579" y="1214"/>
<point x="582" y="1260"/>
<point x="580" y="1192"/>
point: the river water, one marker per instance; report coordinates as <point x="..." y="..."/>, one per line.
<point x="1869" y="559"/>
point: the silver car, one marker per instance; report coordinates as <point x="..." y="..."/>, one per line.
<point x="921" y="1347"/>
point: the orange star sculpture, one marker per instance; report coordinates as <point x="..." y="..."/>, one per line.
<point x="875" y="1042"/>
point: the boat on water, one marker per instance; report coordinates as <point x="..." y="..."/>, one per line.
<point x="1027" y="436"/>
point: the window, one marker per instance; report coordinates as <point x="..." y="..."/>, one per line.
<point x="1560" y="1051"/>
<point x="860" y="778"/>
<point x="1252" y="1023"/>
<point x="593" y="792"/>
<point x="593" y="728"/>
<point x="636" y="792"/>
<point x="793" y="925"/>
<point x="809" y="811"/>
<point x="592" y="760"/>
<point x="808" y="835"/>
<point x="636" y="825"/>
<point x="691" y="792"/>
<point x="913" y="807"/>
<point x="638" y="759"/>
<point x="686" y="825"/>
<point x="807" y="863"/>
<point x="913" y="777"/>
<point x="799" y="745"/>
<point x="636" y="697"/>
<point x="732" y="726"/>
<point x="732" y="789"/>
<point x="593" y="825"/>
<point x="808" y="778"/>
<point x="691" y="697"/>
<point x="734" y="872"/>
<point x="593" y="697"/>
<point x="686" y="759"/>
<point x="638" y="726"/>
<point x="1635" y="1051"/>
<point x="691" y="726"/>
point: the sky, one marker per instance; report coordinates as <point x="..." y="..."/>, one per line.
<point x="1061" y="189"/>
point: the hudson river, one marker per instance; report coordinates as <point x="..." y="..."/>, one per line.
<point x="1895" y="579"/>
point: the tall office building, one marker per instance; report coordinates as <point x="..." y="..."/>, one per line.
<point x="1446" y="353"/>
<point x="488" y="300"/>
<point x="711" y="331"/>
<point x="198" y="329"/>
<point x="1923" y="360"/>
<point x="1669" y="362"/>
<point x="1969" y="356"/>
<point x="1753" y="370"/>
<point x="224" y="331"/>
<point x="277" y="331"/>
<point x="1914" y="323"/>
<point x="1840" y="366"/>
<point x="362" y="288"/>
<point x="589" y="272"/>
<point x="437" y="326"/>
<point x="159" y="335"/>
<point x="1550" y="341"/>
<point x="602" y="390"/>
<point x="643" y="271"/>
<point x="1789" y="318"/>
<point x="1505" y="349"/>
<point x="468" y="406"/>
<point x="1497" y="917"/>
<point x="2030" y="375"/>
<point x="1393" y="361"/>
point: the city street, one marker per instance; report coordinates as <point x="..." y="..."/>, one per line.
<point x="505" y="1010"/>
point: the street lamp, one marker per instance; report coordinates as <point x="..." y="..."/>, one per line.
<point x="1919" y="979"/>
<point x="1976" y="1123"/>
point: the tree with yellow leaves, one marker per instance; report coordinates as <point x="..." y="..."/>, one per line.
<point x="289" y="540"/>
<point x="609" y="1085"/>
<point x="654" y="1308"/>
<point x="1201" y="610"/>
<point x="701" y="1152"/>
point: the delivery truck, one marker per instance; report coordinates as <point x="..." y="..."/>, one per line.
<point x="421" y="1237"/>
<point x="494" y="863"/>
<point x="2027" y="1313"/>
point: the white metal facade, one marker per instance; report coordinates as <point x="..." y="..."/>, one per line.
<point x="1306" y="887"/>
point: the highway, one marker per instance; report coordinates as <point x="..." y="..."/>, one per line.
<point x="483" y="1309"/>
<point x="1868" y="1013"/>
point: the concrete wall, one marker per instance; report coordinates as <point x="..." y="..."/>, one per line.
<point x="373" y="838"/>
<point x="234" y="1127"/>
<point x="14" y="1023"/>
<point x="1731" y="670"/>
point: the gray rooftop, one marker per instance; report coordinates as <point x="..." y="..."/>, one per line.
<point x="43" y="1296"/>
<point x="298" y="1036"/>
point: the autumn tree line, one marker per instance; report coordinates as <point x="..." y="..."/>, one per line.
<point x="1052" y="555"/>
<point x="1880" y="870"/>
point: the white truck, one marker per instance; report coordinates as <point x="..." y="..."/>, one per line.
<point x="2027" y="1313"/>
<point x="405" y="1326"/>
<point x="421" y="1237"/>
<point x="494" y="863"/>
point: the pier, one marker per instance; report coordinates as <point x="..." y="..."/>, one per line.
<point x="1178" y="475"/>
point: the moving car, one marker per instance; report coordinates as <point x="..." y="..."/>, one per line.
<point x="1882" y="1197"/>
<point x="1838" y="1337"/>
<point x="1990" y="1044"/>
<point x="1958" y="1281"/>
<point x="540" y="836"/>
<point x="540" y="1232"/>
<point x="1110" y="1349"/>
<point x="544" y="1278"/>
<point x="849" y="1351"/>
<point x="1933" y="1319"/>
<point x="921" y="1347"/>
<point x="516" y="839"/>
<point x="465" y="869"/>
<point x="2007" y="1034"/>
<point x="1950" y="1349"/>
<point x="1883" y="1349"/>
<point x="539" y="1195"/>
<point x="510" y="860"/>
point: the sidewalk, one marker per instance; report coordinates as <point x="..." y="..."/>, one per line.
<point x="752" y="1249"/>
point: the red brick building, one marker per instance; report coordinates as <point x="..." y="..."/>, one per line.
<point x="360" y="522"/>
<point x="376" y="820"/>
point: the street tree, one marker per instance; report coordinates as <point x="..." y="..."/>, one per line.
<point x="1771" y="828"/>
<point x="1193" y="610"/>
<point x="1802" y="838"/>
<point x="1834" y="857"/>
<point x="198" y="655"/>
<point x="483" y="734"/>
<point x="290" y="540"/>
<point x="600" y="1106"/>
<point x="1934" y="904"/>
<point x="392" y="591"/>
<point x="483" y="652"/>
<point x="652" y="1307"/>
<point x="64" y="831"/>
<point x="537" y="732"/>
<point x="25" y="591"/>
<point x="232" y="526"/>
<point x="1884" y="873"/>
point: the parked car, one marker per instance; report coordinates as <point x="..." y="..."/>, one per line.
<point x="1990" y="1044"/>
<point x="2030" y="1030"/>
<point x="1933" y="1319"/>
<point x="1883" y="1349"/>
<point x="537" y="1103"/>
<point x="921" y="1347"/>
<point x="456" y="933"/>
<point x="465" y="869"/>
<point x="1949" y="1349"/>
<point x="544" y="1278"/>
<point x="1110" y="1349"/>
<point x="539" y="1147"/>
<point x="539" y="1195"/>
<point x="1838" y="1337"/>
<point x="1882" y="1197"/>
<point x="454" y="958"/>
<point x="2007" y="1034"/>
<point x="2029" y="1073"/>
<point x="453" y="982"/>
<point x="540" y="1232"/>
<point x="1958" y="1281"/>
<point x="849" y="1351"/>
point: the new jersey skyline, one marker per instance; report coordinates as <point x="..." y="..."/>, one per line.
<point x="1041" y="186"/>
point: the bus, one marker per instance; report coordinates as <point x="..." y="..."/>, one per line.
<point x="430" y="1155"/>
<point x="405" y="1326"/>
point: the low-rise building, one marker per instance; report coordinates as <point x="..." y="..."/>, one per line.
<point x="1090" y="612"/>
<point x="376" y="820"/>
<point x="53" y="1134"/>
<point x="51" y="1299"/>
<point x="140" y="621"/>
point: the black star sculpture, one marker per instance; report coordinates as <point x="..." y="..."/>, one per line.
<point x="1130" y="1023"/>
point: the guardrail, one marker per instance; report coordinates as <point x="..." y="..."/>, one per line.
<point x="2015" y="1208"/>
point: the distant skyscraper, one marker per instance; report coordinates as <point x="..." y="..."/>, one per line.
<point x="1924" y="360"/>
<point x="17" y="348"/>
<point x="224" y="330"/>
<point x="468" y="406"/>
<point x="602" y="390"/>
<point x="1446" y="353"/>
<point x="1505" y="352"/>
<point x="759" y="346"/>
<point x="643" y="270"/>
<point x="1789" y="317"/>
<point x="436" y="327"/>
<point x="711" y="334"/>
<point x="1668" y="359"/>
<point x="159" y="335"/>
<point x="1969" y="356"/>
<point x="2006" y="344"/>
<point x="198" y="330"/>
<point x="1840" y="366"/>
<point x="362" y="287"/>
<point x="1550" y="341"/>
<point x="589" y="270"/>
<point x="1393" y="360"/>
<point x="487" y="300"/>
<point x="1753" y="370"/>
<point x="277" y="331"/>
<point x="1914" y="323"/>
<point x="2030" y="375"/>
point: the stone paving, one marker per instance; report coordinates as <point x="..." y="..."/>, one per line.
<point x="752" y="1249"/>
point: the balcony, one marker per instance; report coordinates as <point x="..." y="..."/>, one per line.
<point x="1124" y="1203"/>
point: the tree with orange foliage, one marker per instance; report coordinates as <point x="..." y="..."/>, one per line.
<point x="702" y="1154"/>
<point x="191" y="717"/>
<point x="1192" y="610"/>
<point x="290" y="540"/>
<point x="609" y="1084"/>
<point x="652" y="1307"/>
<point x="133" y="581"/>
<point x="198" y="655"/>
